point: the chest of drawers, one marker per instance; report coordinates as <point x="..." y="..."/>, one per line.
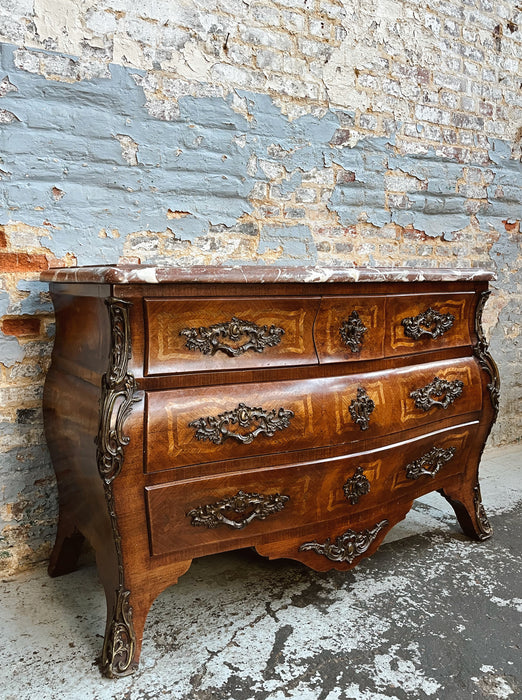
<point x="298" y="411"/>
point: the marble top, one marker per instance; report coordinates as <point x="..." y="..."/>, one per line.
<point x="154" y="274"/>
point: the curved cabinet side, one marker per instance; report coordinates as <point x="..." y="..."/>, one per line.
<point x="465" y="497"/>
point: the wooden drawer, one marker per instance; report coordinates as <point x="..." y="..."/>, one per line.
<point x="192" y="335"/>
<point x="190" y="426"/>
<point x="350" y="328"/>
<point x="422" y="322"/>
<point x="242" y="509"/>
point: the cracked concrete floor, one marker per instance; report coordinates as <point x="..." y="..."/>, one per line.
<point x="430" y="615"/>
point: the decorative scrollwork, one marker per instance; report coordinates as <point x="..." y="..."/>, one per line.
<point x="215" y="428"/>
<point x="356" y="487"/>
<point x="118" y="389"/>
<point x="120" y="640"/>
<point x="259" y="505"/>
<point x="485" y="529"/>
<point x="352" y="331"/>
<point x="430" y="463"/>
<point x="209" y="340"/>
<point x="481" y="351"/>
<point x="348" y="546"/>
<point x="429" y="323"/>
<point x="446" y="392"/>
<point x="361" y="409"/>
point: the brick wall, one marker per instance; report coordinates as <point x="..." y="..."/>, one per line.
<point x="288" y="131"/>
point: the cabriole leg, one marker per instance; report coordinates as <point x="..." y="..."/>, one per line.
<point x="467" y="504"/>
<point x="123" y="635"/>
<point x="66" y="550"/>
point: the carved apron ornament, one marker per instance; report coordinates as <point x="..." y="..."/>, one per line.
<point x="348" y="546"/>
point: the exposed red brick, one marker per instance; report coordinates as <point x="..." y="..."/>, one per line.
<point x="3" y="238"/>
<point x="21" y="327"/>
<point x="511" y="226"/>
<point x="22" y="262"/>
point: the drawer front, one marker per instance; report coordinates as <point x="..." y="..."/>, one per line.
<point x="248" y="506"/>
<point x="191" y="335"/>
<point x="422" y="322"/>
<point x="212" y="424"/>
<point x="350" y="328"/>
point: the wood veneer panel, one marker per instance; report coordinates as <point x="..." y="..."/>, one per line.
<point x="337" y="334"/>
<point x="289" y="343"/>
<point x="414" y="306"/>
<point x="321" y="411"/>
<point x="314" y="490"/>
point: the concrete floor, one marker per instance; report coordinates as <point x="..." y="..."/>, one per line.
<point x="430" y="615"/>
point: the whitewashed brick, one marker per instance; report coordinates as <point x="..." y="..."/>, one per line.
<point x="293" y="20"/>
<point x="261" y="37"/>
<point x="269" y="59"/>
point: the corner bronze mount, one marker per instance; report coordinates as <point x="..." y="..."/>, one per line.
<point x="118" y="394"/>
<point x="361" y="409"/>
<point x="429" y="323"/>
<point x="481" y="351"/>
<point x="430" y="463"/>
<point x="209" y="340"/>
<point x="215" y="428"/>
<point x="253" y="506"/>
<point x="352" y="331"/>
<point x="484" y="527"/>
<point x="439" y="392"/>
<point x="120" y="640"/>
<point x="348" y="546"/>
<point x="356" y="487"/>
<point x="118" y="389"/>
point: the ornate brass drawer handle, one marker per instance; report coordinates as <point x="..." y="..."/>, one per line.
<point x="352" y="331"/>
<point x="260" y="506"/>
<point x="429" y="322"/>
<point x="347" y="546"/>
<point x="209" y="340"/>
<point x="216" y="428"/>
<point x="430" y="463"/>
<point x="445" y="393"/>
<point x="361" y="409"/>
<point x="356" y="487"/>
